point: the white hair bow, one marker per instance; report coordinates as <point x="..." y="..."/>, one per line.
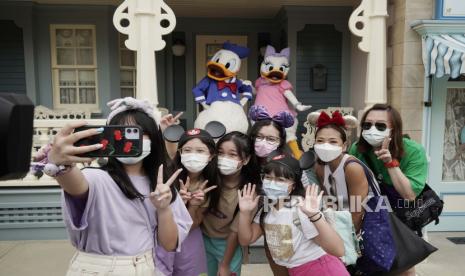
<point x="120" y="105"/>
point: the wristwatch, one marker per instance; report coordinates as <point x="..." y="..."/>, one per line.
<point x="393" y="164"/>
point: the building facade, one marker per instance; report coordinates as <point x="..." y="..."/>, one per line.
<point x="68" y="57"/>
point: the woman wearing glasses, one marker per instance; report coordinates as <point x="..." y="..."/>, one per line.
<point x="399" y="162"/>
<point x="268" y="134"/>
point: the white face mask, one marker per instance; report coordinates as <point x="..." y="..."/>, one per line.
<point x="146" y="148"/>
<point x="194" y="162"/>
<point x="228" y="166"/>
<point x="327" y="152"/>
<point x="375" y="137"/>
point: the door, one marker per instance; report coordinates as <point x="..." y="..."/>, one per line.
<point x="447" y="144"/>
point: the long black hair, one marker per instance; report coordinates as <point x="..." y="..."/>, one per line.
<point x="396" y="146"/>
<point x="249" y="172"/>
<point x="158" y="155"/>
<point x="210" y="172"/>
<point x="281" y="170"/>
<point x="253" y="133"/>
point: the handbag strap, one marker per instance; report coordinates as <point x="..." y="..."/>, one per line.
<point x="369" y="175"/>
<point x="370" y="164"/>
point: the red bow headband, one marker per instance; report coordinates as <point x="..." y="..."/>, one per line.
<point x="336" y="119"/>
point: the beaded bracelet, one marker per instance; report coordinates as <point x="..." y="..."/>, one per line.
<point x="42" y="164"/>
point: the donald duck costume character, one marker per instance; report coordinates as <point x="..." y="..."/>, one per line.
<point x="220" y="93"/>
<point x="274" y="92"/>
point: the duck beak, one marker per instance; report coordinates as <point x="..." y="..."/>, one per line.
<point x="218" y="72"/>
<point x="274" y="76"/>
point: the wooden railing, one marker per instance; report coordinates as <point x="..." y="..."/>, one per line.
<point x="47" y="122"/>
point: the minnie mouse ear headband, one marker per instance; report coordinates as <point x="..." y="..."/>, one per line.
<point x="177" y="134"/>
<point x="321" y="119"/>
<point x="120" y="105"/>
<point x="259" y="113"/>
<point x="304" y="163"/>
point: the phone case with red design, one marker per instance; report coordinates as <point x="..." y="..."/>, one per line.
<point x="117" y="141"/>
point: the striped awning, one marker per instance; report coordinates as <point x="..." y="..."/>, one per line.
<point x="444" y="54"/>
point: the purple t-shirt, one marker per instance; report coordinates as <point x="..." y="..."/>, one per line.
<point x="111" y="224"/>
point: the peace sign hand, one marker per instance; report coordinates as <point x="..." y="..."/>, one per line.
<point x="184" y="190"/>
<point x="169" y="120"/>
<point x="198" y="197"/>
<point x="161" y="197"/>
<point x="384" y="154"/>
<point x="311" y="203"/>
<point x="248" y="199"/>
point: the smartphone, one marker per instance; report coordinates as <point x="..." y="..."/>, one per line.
<point x="117" y="141"/>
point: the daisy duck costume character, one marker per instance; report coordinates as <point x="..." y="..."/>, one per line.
<point x="221" y="94"/>
<point x="275" y="93"/>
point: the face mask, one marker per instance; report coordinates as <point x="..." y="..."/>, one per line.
<point x="146" y="148"/>
<point x="327" y="152"/>
<point x="274" y="189"/>
<point x="263" y="148"/>
<point x="375" y="137"/>
<point x="228" y="166"/>
<point x="194" y="162"/>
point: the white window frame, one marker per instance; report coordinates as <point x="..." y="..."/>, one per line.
<point x="122" y="37"/>
<point x="55" y="69"/>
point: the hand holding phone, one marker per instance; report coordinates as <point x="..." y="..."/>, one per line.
<point x="117" y="141"/>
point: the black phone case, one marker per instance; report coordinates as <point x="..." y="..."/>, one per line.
<point x="118" y="141"/>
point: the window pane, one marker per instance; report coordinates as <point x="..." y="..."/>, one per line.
<point x="67" y="78"/>
<point x="87" y="95"/>
<point x="65" y="56"/>
<point x="68" y="95"/>
<point x="453" y="164"/>
<point x="64" y="38"/>
<point x="127" y="92"/>
<point x="128" y="58"/>
<point x="86" y="78"/>
<point x="127" y="78"/>
<point x="85" y="57"/>
<point x="84" y="38"/>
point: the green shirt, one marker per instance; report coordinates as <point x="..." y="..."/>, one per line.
<point x="413" y="164"/>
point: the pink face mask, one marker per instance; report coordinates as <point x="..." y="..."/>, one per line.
<point x="263" y="148"/>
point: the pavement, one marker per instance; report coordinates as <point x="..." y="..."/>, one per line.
<point x="51" y="258"/>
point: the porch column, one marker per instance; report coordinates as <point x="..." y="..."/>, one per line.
<point x="368" y="21"/>
<point x="142" y="21"/>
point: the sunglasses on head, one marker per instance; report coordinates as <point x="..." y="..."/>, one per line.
<point x="379" y="126"/>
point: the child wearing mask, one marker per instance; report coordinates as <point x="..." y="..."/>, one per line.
<point x="117" y="214"/>
<point x="219" y="226"/>
<point x="268" y="134"/>
<point x="196" y="156"/>
<point x="298" y="236"/>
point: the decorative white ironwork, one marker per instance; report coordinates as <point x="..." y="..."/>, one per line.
<point x="145" y="22"/>
<point x="368" y="21"/>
